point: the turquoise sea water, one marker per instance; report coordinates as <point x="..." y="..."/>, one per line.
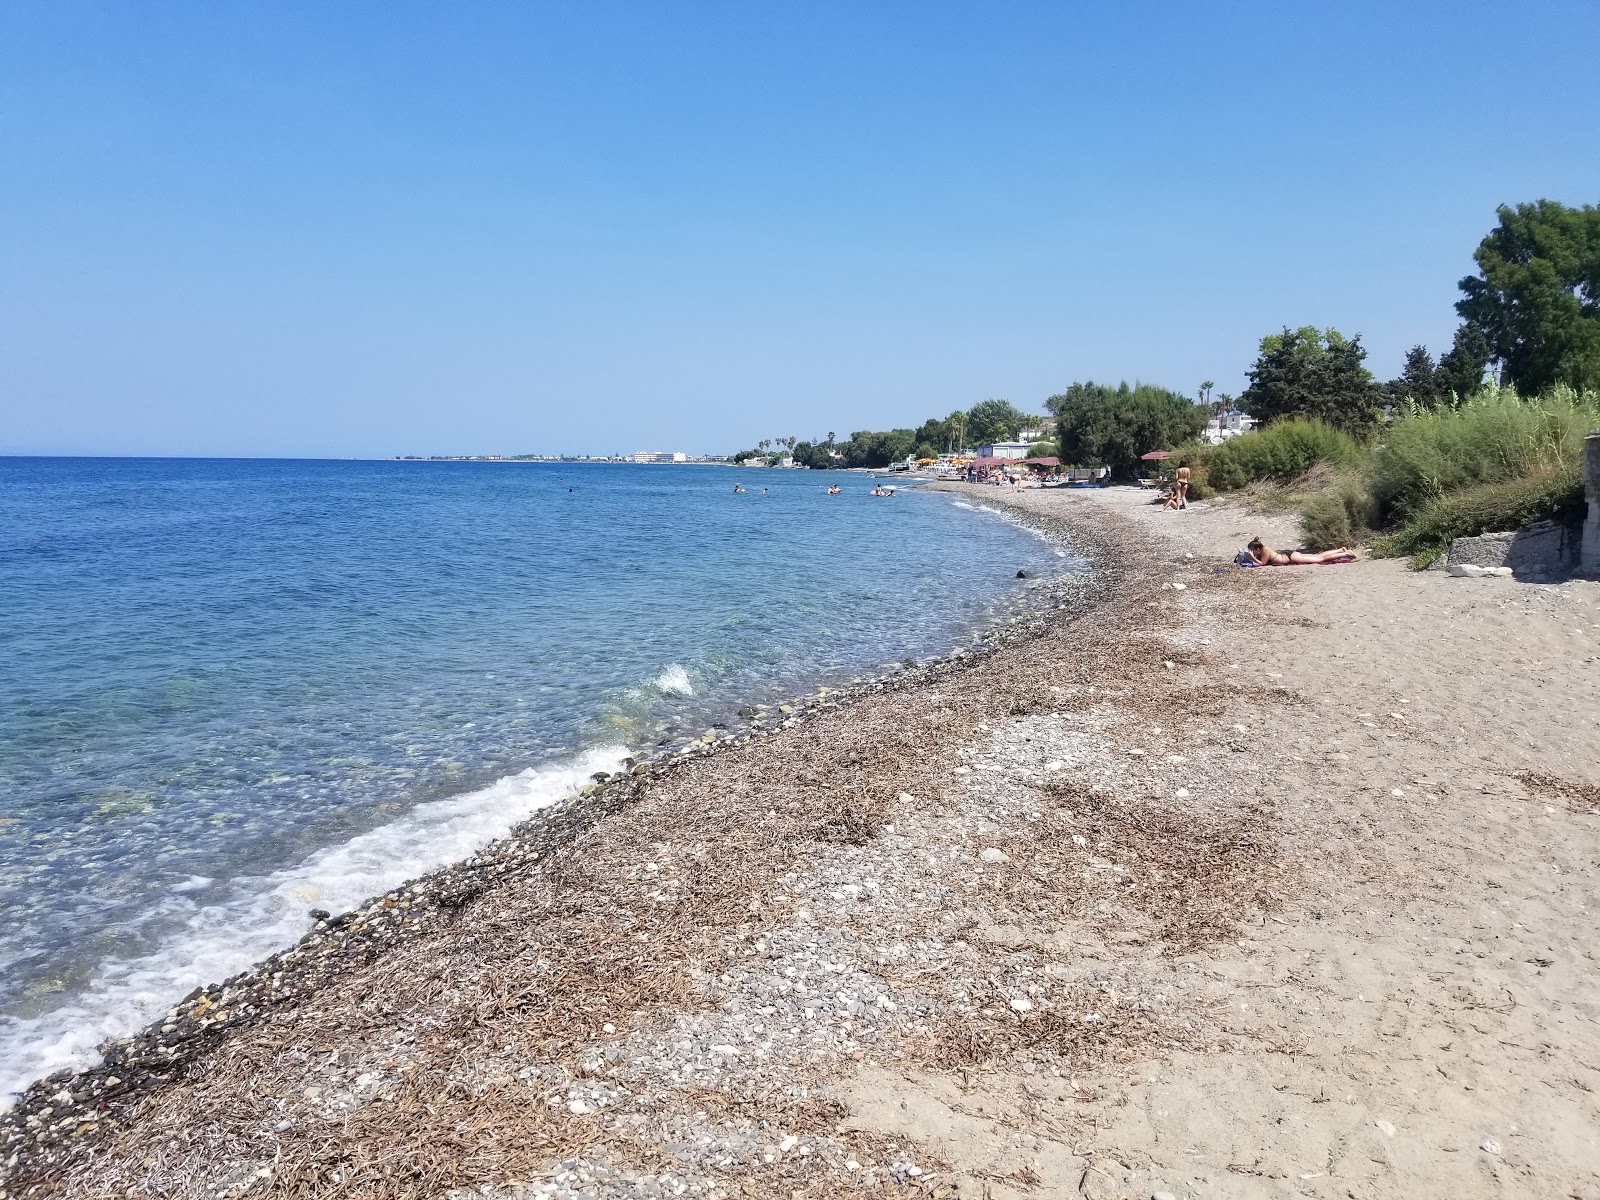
<point x="231" y="691"/>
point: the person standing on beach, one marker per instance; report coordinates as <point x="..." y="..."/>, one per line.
<point x="1183" y="487"/>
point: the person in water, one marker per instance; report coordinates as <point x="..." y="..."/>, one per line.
<point x="1265" y="556"/>
<point x="738" y="488"/>
<point x="833" y="489"/>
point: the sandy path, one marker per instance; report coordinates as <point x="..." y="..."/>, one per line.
<point x="1433" y="996"/>
<point x="1227" y="890"/>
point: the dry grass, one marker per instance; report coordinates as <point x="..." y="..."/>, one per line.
<point x="1578" y="797"/>
<point x="1080" y="1025"/>
<point x="1190" y="876"/>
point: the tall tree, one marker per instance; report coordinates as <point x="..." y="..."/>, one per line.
<point x="1461" y="367"/>
<point x="1101" y="426"/>
<point x="993" y="421"/>
<point x="1419" y="379"/>
<point x="1536" y="297"/>
<point x="1311" y="372"/>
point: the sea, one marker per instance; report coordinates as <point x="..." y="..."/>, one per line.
<point x="232" y="691"/>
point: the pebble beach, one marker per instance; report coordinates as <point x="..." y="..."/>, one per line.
<point x="1195" y="881"/>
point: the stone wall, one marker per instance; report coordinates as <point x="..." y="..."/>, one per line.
<point x="1544" y="550"/>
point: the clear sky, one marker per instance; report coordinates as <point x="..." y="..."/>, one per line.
<point x="374" y="228"/>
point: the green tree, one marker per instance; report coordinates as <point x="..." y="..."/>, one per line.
<point x="1536" y="297"/>
<point x="1419" y="379"/>
<point x="1461" y="367"/>
<point x="936" y="434"/>
<point x="1310" y="372"/>
<point x="993" y="421"/>
<point x="1097" y="425"/>
<point x="867" y="448"/>
<point x="813" y="455"/>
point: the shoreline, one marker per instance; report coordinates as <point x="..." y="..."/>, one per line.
<point x="1145" y="901"/>
<point x="198" y="1022"/>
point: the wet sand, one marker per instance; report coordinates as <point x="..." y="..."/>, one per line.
<point x="1268" y="883"/>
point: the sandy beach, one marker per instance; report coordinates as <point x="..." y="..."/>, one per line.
<point x="1226" y="883"/>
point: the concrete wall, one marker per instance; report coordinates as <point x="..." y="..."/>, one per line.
<point x="1544" y="550"/>
<point x="1589" y="556"/>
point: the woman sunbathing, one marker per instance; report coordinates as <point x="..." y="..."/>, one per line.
<point x="1265" y="556"/>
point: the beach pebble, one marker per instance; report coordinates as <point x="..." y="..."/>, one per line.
<point x="1386" y="1126"/>
<point x="1176" y="758"/>
<point x="1489" y="1146"/>
<point x="1180" y="587"/>
<point x="1397" y="793"/>
<point x="1162" y="1196"/>
<point x="1181" y="793"/>
<point x="1021" y="1004"/>
<point x="993" y="854"/>
<point x="1170" y="665"/>
<point x="1137" y="753"/>
<point x="788" y="1143"/>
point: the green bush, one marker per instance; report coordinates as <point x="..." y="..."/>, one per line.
<point x="1486" y="508"/>
<point x="1340" y="516"/>
<point x="1492" y="437"/>
<point x="1282" y="451"/>
<point x="1194" y="455"/>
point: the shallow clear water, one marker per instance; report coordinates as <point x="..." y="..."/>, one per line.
<point x="234" y="690"/>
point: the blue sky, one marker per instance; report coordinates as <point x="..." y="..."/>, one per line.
<point x="383" y="228"/>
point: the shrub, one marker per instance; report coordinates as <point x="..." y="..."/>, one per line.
<point x="1194" y="456"/>
<point x="1340" y="516"/>
<point x="1493" y="437"/>
<point x="1487" y="508"/>
<point x="1283" y="451"/>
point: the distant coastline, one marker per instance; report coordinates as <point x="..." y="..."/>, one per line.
<point x="642" y="458"/>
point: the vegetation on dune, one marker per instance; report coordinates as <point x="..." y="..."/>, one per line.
<point x="1492" y="437"/>
<point x="1281" y="452"/>
<point x="1486" y="508"/>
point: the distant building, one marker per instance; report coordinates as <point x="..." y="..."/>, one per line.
<point x="1004" y="450"/>
<point x="1221" y="428"/>
<point x="660" y="456"/>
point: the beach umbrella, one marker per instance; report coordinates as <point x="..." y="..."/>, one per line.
<point x="1156" y="455"/>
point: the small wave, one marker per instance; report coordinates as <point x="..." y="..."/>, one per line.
<point x="965" y="505"/>
<point x="265" y="914"/>
<point x="674" y="679"/>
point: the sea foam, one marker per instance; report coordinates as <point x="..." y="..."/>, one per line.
<point x="674" y="679"/>
<point x="264" y="914"/>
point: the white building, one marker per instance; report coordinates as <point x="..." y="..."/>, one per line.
<point x="1004" y="450"/>
<point x="660" y="456"/>
<point x="1220" y="429"/>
